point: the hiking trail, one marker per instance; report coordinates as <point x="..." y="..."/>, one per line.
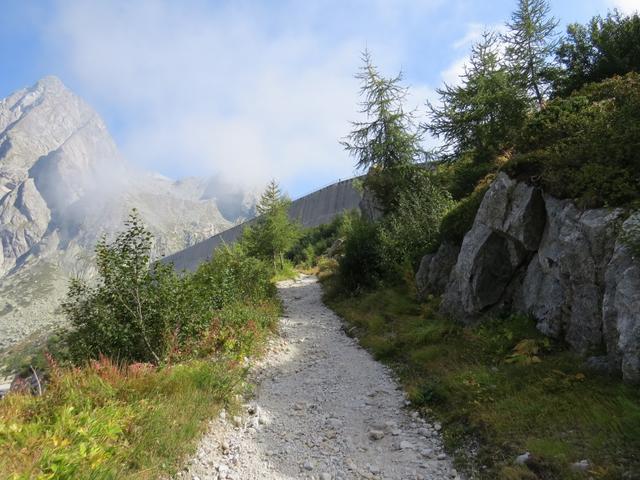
<point x="323" y="409"/>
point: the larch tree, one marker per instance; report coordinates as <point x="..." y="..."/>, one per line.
<point x="530" y="45"/>
<point x="386" y="143"/>
<point x="481" y="115"/>
<point x="274" y="233"/>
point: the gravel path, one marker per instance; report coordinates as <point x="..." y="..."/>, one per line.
<point x="323" y="409"/>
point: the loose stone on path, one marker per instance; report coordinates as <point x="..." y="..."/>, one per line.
<point x="323" y="409"/>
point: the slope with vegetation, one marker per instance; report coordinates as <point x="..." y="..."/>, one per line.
<point x="151" y="354"/>
<point x="560" y="114"/>
<point x="149" y="357"/>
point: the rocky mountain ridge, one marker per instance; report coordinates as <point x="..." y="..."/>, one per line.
<point x="64" y="184"/>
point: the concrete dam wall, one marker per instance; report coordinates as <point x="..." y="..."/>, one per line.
<point x="314" y="209"/>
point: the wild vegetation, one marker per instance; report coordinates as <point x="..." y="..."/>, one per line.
<point x="151" y="354"/>
<point x="149" y="357"/>
<point x="557" y="112"/>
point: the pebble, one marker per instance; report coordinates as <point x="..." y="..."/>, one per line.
<point x="313" y="409"/>
<point x="582" y="465"/>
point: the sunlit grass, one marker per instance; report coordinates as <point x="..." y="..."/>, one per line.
<point x="550" y="406"/>
<point x="110" y="421"/>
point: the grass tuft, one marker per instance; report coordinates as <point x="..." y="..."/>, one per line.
<point x="500" y="389"/>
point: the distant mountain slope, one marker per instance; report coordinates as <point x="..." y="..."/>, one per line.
<point x="63" y="184"/>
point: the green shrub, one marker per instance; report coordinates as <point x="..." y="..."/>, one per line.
<point x="413" y="228"/>
<point x="139" y="311"/>
<point x="362" y="264"/>
<point x="315" y="241"/>
<point x="586" y="146"/>
<point x="231" y="276"/>
<point x="460" y="218"/>
<point x="130" y="312"/>
<point x="461" y="177"/>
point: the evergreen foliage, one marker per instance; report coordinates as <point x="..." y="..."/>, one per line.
<point x="586" y="146"/>
<point x="531" y="43"/>
<point x="601" y="49"/>
<point x="483" y="114"/>
<point x="387" y="138"/>
<point x="274" y="233"/>
<point x="387" y="144"/>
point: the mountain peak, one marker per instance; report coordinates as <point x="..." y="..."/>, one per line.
<point x="50" y="82"/>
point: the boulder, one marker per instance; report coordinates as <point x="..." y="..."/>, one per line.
<point x="564" y="283"/>
<point x="434" y="271"/>
<point x="621" y="309"/>
<point x="569" y="268"/>
<point x="506" y="231"/>
<point x="515" y="209"/>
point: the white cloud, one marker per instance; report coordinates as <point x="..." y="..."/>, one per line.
<point x="453" y="73"/>
<point x="224" y="89"/>
<point x="626" y="6"/>
<point x="474" y="33"/>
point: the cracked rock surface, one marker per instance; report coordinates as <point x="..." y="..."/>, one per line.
<point x="323" y="409"/>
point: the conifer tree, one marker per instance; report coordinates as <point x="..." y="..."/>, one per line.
<point x="270" y="198"/>
<point x="531" y="43"/>
<point x="274" y="233"/>
<point x="481" y="115"/>
<point x="386" y="143"/>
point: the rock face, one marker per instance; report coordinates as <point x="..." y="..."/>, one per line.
<point x="24" y="218"/>
<point x="507" y="229"/>
<point x="435" y="268"/>
<point x="531" y="253"/>
<point x="621" y="309"/>
<point x="564" y="284"/>
<point x="63" y="184"/>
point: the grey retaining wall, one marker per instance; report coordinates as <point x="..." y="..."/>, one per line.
<point x="315" y="209"/>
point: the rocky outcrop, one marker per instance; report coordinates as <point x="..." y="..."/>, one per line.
<point x="621" y="309"/>
<point x="24" y="218"/>
<point x="507" y="229"/>
<point x="531" y="253"/>
<point x="434" y="271"/>
<point x="564" y="284"/>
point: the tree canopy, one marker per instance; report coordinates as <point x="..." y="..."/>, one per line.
<point x="483" y="113"/>
<point x="530" y="45"/>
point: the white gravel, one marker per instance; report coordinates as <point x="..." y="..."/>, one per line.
<point x="323" y="409"/>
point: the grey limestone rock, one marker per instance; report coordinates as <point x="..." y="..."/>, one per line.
<point x="621" y="309"/>
<point x="506" y="230"/>
<point x="435" y="268"/>
<point x="563" y="286"/>
<point x="567" y="267"/>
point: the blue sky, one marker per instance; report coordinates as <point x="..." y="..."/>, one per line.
<point x="251" y="90"/>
